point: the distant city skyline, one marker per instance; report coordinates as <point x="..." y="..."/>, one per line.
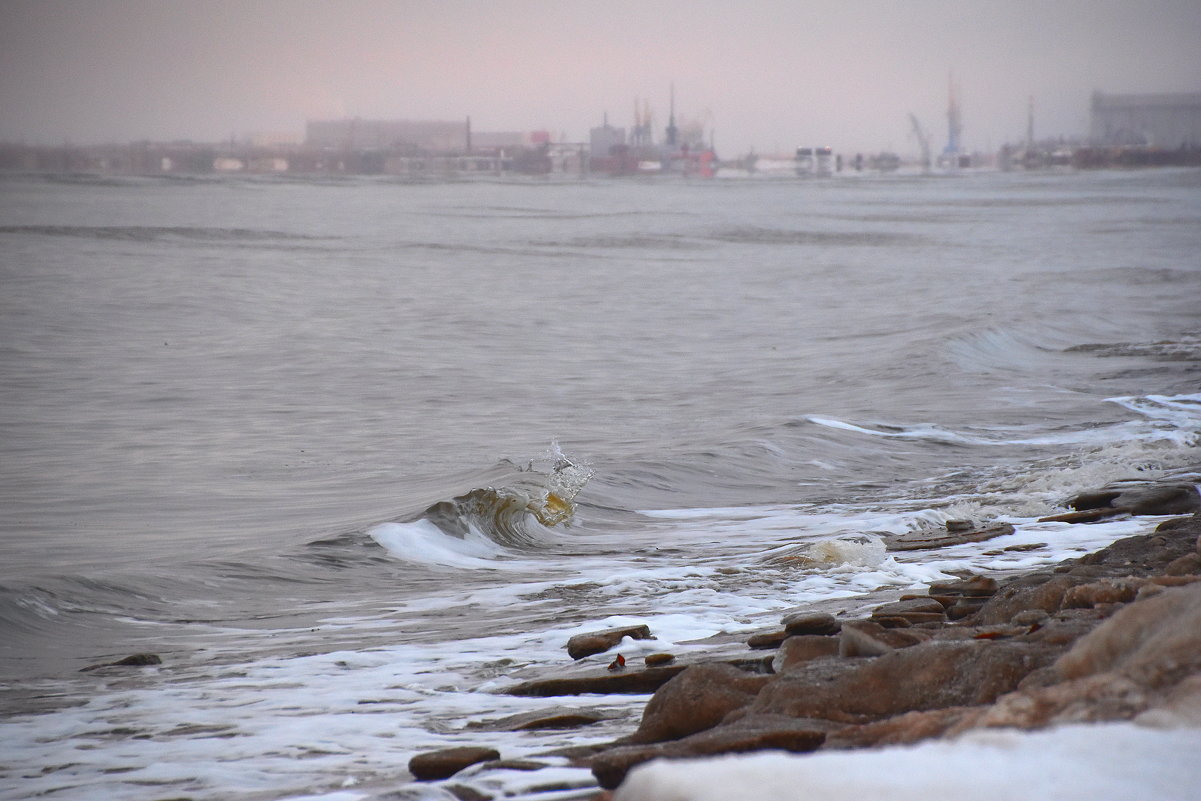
<point x="760" y="75"/>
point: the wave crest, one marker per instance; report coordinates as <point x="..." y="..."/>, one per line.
<point x="473" y="529"/>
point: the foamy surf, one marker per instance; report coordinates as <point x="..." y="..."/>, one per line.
<point x="485" y="525"/>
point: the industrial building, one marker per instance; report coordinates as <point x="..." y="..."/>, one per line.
<point x="1165" y="121"/>
<point x="405" y="135"/>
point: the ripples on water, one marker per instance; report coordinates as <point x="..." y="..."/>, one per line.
<point x="349" y="447"/>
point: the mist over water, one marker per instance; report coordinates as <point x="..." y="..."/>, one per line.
<point x="435" y="428"/>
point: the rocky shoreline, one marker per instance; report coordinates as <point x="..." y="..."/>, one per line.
<point x="1112" y="636"/>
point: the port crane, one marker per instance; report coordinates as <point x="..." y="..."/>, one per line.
<point x="923" y="139"/>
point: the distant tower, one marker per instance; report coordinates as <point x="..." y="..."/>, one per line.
<point x="642" y="135"/>
<point x="1030" y="125"/>
<point x="672" y="130"/>
<point x="954" y="124"/>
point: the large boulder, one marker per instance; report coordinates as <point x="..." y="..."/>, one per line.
<point x="1041" y="591"/>
<point x="803" y="648"/>
<point x="695" y="700"/>
<point x="1146" y="499"/>
<point x="756" y="733"/>
<point x="1155" y="642"/>
<point x="933" y="675"/>
<point x="1146" y="657"/>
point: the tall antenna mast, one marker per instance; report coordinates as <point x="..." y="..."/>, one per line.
<point x="671" y="120"/>
<point x="1030" y="125"/>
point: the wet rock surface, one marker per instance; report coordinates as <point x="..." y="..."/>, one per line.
<point x="955" y="533"/>
<point x="1113" y="635"/>
<point x="133" y="660"/>
<point x="596" y="642"/>
<point x="1110" y="636"/>
<point x="443" y="764"/>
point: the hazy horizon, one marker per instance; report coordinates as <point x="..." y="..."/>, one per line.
<point x="761" y="75"/>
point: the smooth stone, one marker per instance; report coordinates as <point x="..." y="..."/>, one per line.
<point x="820" y="623"/>
<point x="695" y="700"/>
<point x="804" y="648"/>
<point x="861" y="638"/>
<point x="974" y="587"/>
<point x="771" y="639"/>
<point x="435" y="765"/>
<point x="596" y="642"/>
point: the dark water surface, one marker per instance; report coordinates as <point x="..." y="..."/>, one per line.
<point x="226" y="405"/>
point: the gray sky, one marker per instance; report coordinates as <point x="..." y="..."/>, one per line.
<point x="768" y="74"/>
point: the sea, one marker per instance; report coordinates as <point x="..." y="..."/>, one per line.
<point x="353" y="456"/>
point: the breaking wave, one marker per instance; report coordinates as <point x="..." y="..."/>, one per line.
<point x="514" y="513"/>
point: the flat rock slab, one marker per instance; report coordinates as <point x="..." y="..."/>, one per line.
<point x="801" y="623"/>
<point x="556" y="718"/>
<point x="577" y="680"/>
<point x="435" y="765"/>
<point x="927" y="540"/>
<point x="609" y="682"/>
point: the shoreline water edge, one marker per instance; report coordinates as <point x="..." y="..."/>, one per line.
<point x="1050" y="660"/>
<point x="1114" y="635"/>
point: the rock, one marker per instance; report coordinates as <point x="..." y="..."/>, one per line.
<point x="965" y="607"/>
<point x="811" y="623"/>
<point x="1035" y="591"/>
<point x="751" y="734"/>
<point x="1094" y="499"/>
<point x="974" y="587"/>
<point x="608" y="682"/>
<point x="1141" y="658"/>
<point x="1145" y="554"/>
<point x="1180" y="707"/>
<point x="556" y="718"/>
<point x="771" y="639"/>
<point x="1107" y="591"/>
<point x="910" y="727"/>
<point x="1084" y="516"/>
<point x="933" y="675"/>
<point x="804" y="648"/>
<point x="462" y="792"/>
<point x="596" y="642"/>
<point x="1155" y="642"/>
<point x="1187" y="565"/>
<point x="927" y="539"/>
<point x="696" y="699"/>
<point x="443" y="764"/>
<point x="133" y="660"/>
<point x="916" y="610"/>
<point x="870" y="638"/>
<point x="1090" y="700"/>
<point x="655" y="660"/>
<point x="427" y="792"/>
<point x="1160" y="499"/>
<point x="1149" y="499"/>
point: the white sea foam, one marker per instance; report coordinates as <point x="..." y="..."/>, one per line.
<point x="422" y="542"/>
